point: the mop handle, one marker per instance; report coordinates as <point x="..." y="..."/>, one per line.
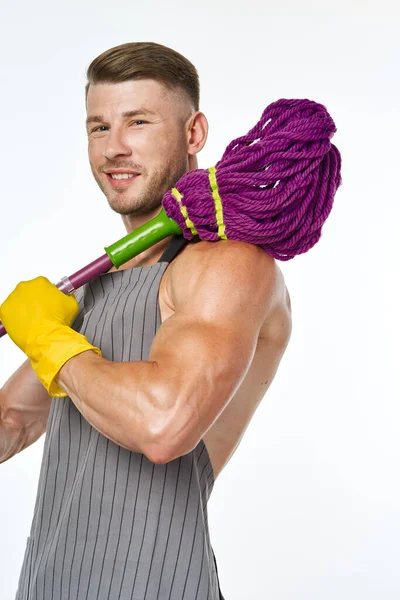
<point x="119" y="253"/>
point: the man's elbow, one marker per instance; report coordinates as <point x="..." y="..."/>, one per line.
<point x="169" y="435"/>
<point x="159" y="456"/>
<point x="167" y="448"/>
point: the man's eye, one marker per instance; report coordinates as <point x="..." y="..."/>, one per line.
<point x="100" y="128"/>
<point x="138" y="122"/>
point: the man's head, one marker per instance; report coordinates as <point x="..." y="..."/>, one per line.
<point x="143" y="122"/>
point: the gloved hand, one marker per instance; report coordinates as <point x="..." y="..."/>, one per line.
<point x="37" y="317"/>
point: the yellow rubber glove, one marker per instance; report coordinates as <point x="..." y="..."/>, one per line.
<point x="37" y="317"/>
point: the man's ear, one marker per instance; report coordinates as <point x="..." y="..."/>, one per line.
<point x="196" y="132"/>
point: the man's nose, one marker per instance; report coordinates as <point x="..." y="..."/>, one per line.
<point x="116" y="146"/>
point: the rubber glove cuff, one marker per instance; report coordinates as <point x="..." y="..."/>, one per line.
<point x="52" y="349"/>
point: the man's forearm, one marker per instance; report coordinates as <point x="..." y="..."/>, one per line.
<point x="11" y="436"/>
<point x="114" y="399"/>
<point x="10" y="442"/>
<point x="24" y="411"/>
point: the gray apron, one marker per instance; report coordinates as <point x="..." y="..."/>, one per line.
<point x="108" y="523"/>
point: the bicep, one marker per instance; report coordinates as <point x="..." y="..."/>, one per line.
<point x="201" y="354"/>
<point x="200" y="365"/>
<point x="196" y="351"/>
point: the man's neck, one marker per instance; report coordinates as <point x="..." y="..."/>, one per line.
<point x="132" y="222"/>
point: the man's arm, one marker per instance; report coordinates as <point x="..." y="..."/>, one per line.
<point x="24" y="411"/>
<point x="162" y="407"/>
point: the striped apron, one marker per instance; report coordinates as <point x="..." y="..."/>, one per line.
<point x="109" y="524"/>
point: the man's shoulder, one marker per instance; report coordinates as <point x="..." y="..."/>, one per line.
<point x="233" y="254"/>
<point x="232" y="266"/>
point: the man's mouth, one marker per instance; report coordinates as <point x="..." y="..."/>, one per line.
<point x="120" y="178"/>
<point x="121" y="175"/>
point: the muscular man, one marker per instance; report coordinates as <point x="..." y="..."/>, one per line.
<point x="146" y="392"/>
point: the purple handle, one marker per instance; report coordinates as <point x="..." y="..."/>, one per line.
<point x="76" y="280"/>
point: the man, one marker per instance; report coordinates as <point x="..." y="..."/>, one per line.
<point x="146" y="391"/>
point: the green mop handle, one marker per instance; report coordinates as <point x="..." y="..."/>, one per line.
<point x="142" y="238"/>
<point x="120" y="252"/>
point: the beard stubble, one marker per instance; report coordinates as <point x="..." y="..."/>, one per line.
<point x="151" y="197"/>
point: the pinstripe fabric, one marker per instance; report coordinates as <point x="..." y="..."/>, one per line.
<point x="108" y="524"/>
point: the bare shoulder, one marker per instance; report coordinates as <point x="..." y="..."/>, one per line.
<point x="221" y="264"/>
<point x="237" y="273"/>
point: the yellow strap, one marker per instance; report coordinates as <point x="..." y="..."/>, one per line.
<point x="218" y="202"/>
<point x="189" y="224"/>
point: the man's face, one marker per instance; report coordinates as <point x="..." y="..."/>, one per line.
<point x="137" y="143"/>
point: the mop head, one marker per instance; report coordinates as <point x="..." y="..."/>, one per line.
<point x="273" y="187"/>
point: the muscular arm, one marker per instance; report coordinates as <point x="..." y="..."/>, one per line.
<point x="162" y="407"/>
<point x="24" y="410"/>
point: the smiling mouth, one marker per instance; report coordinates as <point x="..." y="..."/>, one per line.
<point x="121" y="179"/>
<point x="121" y="175"/>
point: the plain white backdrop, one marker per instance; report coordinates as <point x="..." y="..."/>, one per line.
<point x="308" y="507"/>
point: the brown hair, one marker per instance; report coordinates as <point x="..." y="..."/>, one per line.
<point x="146" y="60"/>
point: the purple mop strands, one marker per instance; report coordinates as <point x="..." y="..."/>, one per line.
<point x="276" y="184"/>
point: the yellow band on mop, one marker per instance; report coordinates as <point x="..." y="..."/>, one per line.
<point x="189" y="224"/>
<point x="218" y="202"/>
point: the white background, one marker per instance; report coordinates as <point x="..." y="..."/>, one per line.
<point x="308" y="508"/>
